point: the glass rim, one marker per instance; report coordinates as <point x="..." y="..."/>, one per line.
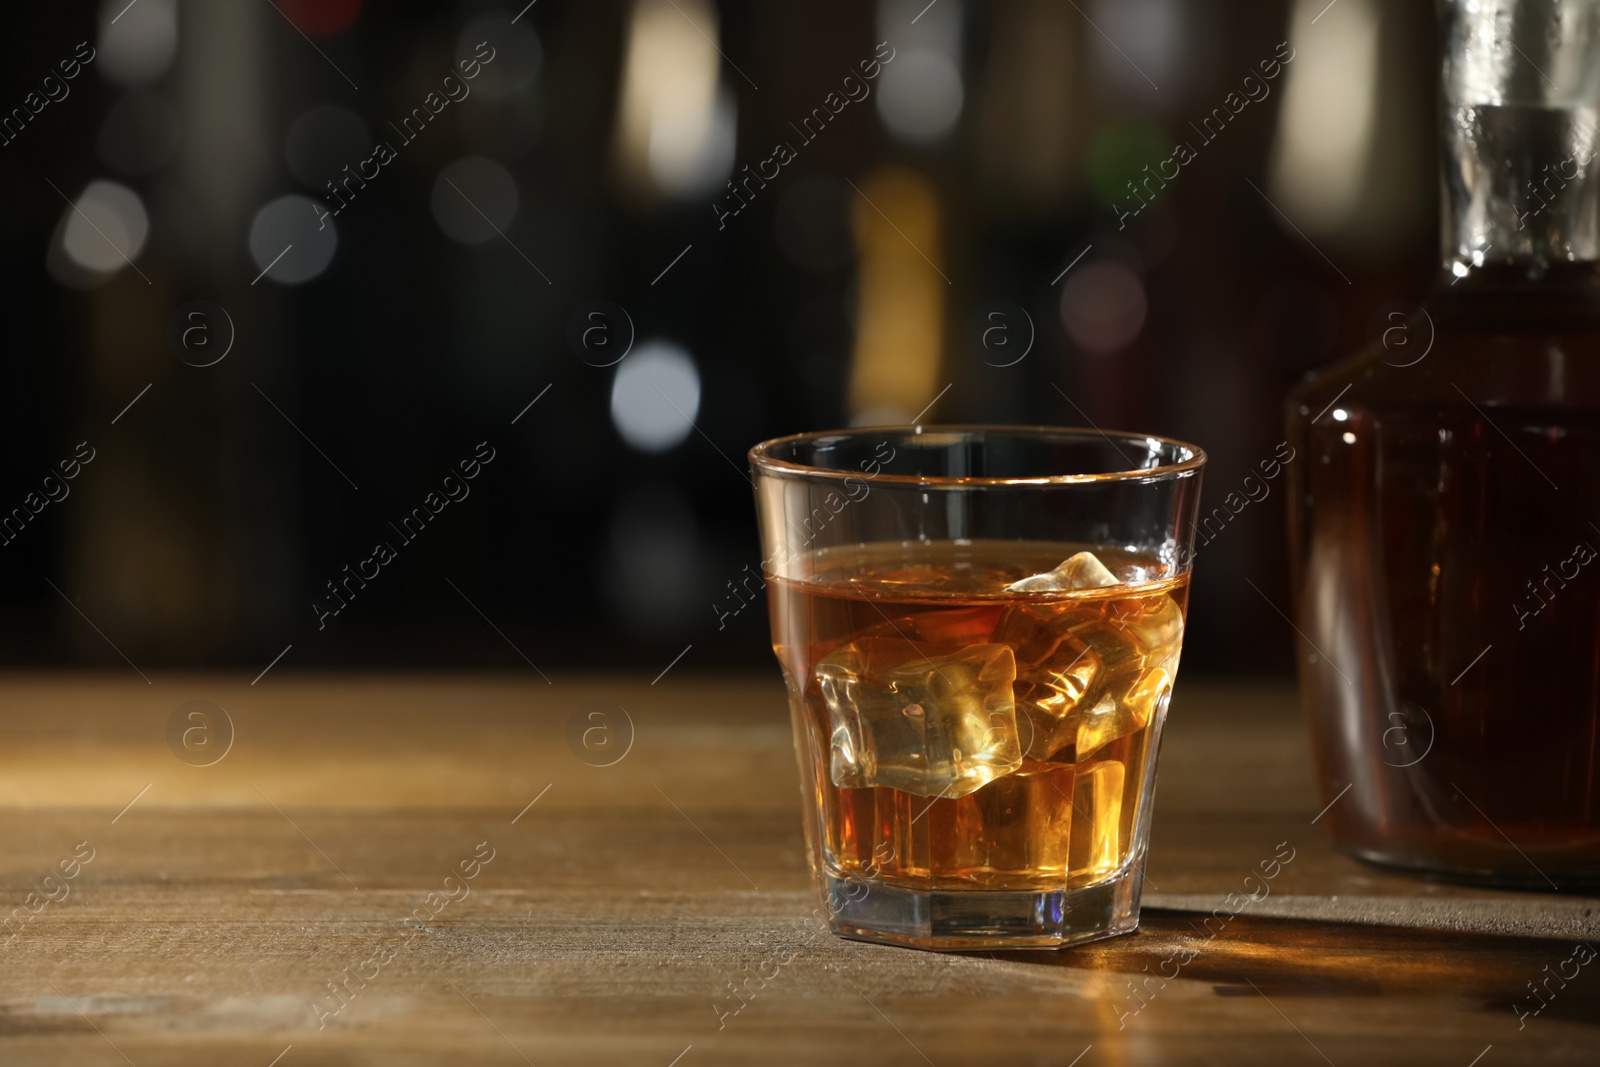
<point x="762" y="459"/>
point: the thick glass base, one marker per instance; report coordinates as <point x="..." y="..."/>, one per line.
<point x="983" y="918"/>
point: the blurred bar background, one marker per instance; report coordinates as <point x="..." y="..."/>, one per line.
<point x="282" y="265"/>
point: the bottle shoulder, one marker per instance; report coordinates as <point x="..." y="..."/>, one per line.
<point x="1444" y="360"/>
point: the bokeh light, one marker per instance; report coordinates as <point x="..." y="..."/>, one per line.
<point x="1103" y="306"/>
<point x="900" y="296"/>
<point x="675" y="123"/>
<point x="105" y="229"/>
<point x="292" y="241"/>
<point x="518" y="56"/>
<point x="652" y="573"/>
<point x="1142" y="45"/>
<point x="921" y="95"/>
<point x="655" y="396"/>
<point x="1325" y="128"/>
<point x="323" y="141"/>
<point x="136" y="44"/>
<point x="320" y="17"/>
<point x="920" y="92"/>
<point x="1118" y="154"/>
<point x="474" y="200"/>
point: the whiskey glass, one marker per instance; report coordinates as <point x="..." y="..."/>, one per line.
<point x="979" y="627"/>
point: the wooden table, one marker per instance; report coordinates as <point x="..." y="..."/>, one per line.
<point x="612" y="909"/>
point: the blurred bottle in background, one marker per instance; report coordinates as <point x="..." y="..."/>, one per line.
<point x="1446" y="498"/>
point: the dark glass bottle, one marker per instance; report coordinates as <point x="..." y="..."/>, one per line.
<point x="1445" y="525"/>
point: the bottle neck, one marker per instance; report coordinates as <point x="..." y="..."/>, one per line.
<point x="1521" y="151"/>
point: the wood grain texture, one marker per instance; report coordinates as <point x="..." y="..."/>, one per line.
<point x="618" y="912"/>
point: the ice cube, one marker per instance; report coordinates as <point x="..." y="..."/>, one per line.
<point x="1082" y="571"/>
<point x="1050" y="698"/>
<point x="1056" y="670"/>
<point x="1132" y="634"/>
<point x="934" y="725"/>
<point x="1118" y="714"/>
<point x="1017" y="831"/>
<point x="1096" y="846"/>
<point x="1088" y="674"/>
<point x="1035" y="632"/>
<point x="1155" y="624"/>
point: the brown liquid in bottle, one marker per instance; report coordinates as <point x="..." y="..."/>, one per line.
<point x="1446" y="534"/>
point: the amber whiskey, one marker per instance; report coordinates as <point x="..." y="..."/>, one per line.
<point x="967" y="726"/>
